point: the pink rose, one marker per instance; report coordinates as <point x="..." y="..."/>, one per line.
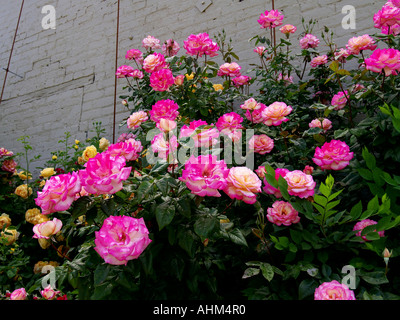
<point x="270" y="19"/>
<point x="269" y="189"/>
<point x="282" y="212"/>
<point x="164" y="148"/>
<point x="151" y="43"/>
<point x="121" y="238"/>
<point x="136" y="119"/>
<point x="387" y="16"/>
<point x="200" y="44"/>
<point x="339" y="100"/>
<point x="333" y="290"/>
<point x="287" y="29"/>
<point x="137" y="74"/>
<point x="309" y="41"/>
<point x="18" y="294"/>
<point x="49" y="293"/>
<point x="164" y="109"/>
<point x="359" y="226"/>
<point x="229" y="69"/>
<point x="319" y="60"/>
<point x="202" y="137"/>
<point x="387" y="60"/>
<point x="285" y="78"/>
<point x="154" y="62"/>
<point x="170" y="48"/>
<point x="260" y="171"/>
<point x="5" y="153"/>
<point x="47" y="229"/>
<point x="394" y="3"/>
<point x="243" y="184"/>
<point x="308" y="169"/>
<point x="356" y="44"/>
<point x="9" y="165"/>
<point x="124" y="71"/>
<point x="256" y="115"/>
<point x="300" y="184"/>
<point x="134" y="54"/>
<point x="241" y="81"/>
<point x="324" y="124"/>
<point x="341" y="55"/>
<point x="333" y="155"/>
<point x="166" y="125"/>
<point x="276" y="113"/>
<point x="129" y="149"/>
<point x="162" y="80"/>
<point x="251" y="104"/>
<point x="179" y="80"/>
<point x="104" y="174"/>
<point x="260" y="50"/>
<point x="394" y="29"/>
<point x="205" y="175"/>
<point x="58" y="193"/>
<point x="228" y="122"/>
<point x="261" y="144"/>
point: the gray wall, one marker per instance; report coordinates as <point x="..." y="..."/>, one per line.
<point x="68" y="73"/>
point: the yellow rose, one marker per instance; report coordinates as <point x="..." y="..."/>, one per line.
<point x="189" y="77"/>
<point x="218" y="87"/>
<point x="47" y="172"/>
<point x="22" y="175"/>
<point x="23" y="191"/>
<point x="5" y="221"/>
<point x="10" y="235"/>
<point x="104" y="144"/>
<point x="54" y="157"/>
<point x="77" y="141"/>
<point x="90" y="152"/>
<point x="76" y="147"/>
<point x="41" y="264"/>
<point x="42" y="183"/>
<point x="34" y="216"/>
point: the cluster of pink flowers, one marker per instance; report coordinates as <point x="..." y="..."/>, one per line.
<point x="388" y="16"/>
<point x="134" y="54"/>
<point x="205" y="175"/>
<point x="324" y="124"/>
<point x="170" y="48"/>
<point x="270" y="19"/>
<point x="309" y="41"/>
<point x="129" y="149"/>
<point x="121" y="239"/>
<point x="165" y="148"/>
<point x="282" y="212"/>
<point x="9" y="165"/>
<point x="384" y="60"/>
<point x="339" y="100"/>
<point x="200" y="44"/>
<point x="230" y="124"/>
<point x="124" y="71"/>
<point x="333" y="290"/>
<point x="359" y="227"/>
<point x="333" y="155"/>
<point x="151" y="43"/>
<point x="205" y="137"/>
<point x="269" y="189"/>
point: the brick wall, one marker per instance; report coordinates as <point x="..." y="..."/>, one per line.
<point x="68" y="73"/>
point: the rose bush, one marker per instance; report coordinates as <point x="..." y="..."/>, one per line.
<point x="216" y="191"/>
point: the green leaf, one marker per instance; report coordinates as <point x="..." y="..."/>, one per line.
<point x="143" y="190"/>
<point x="236" y="236"/>
<point x="356" y="211"/>
<point x="267" y="271"/>
<point x="283" y="186"/>
<point x="375" y="277"/>
<point x="250" y="272"/>
<point x="307" y="288"/>
<point x="164" y="214"/>
<point x="369" y="159"/>
<point x="101" y="273"/>
<point x="206" y="226"/>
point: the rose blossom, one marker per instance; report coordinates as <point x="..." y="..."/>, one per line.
<point x="18" y="294"/>
<point x="164" y="109"/>
<point x="276" y="113"/>
<point x="126" y="136"/>
<point x="260" y="50"/>
<point x="356" y="44"/>
<point x="260" y="171"/>
<point x="104" y="174"/>
<point x="205" y="175"/>
<point x="124" y="71"/>
<point x="308" y="169"/>
<point x="200" y="44"/>
<point x="166" y="125"/>
<point x="9" y="165"/>
<point x="228" y="123"/>
<point x="282" y="212"/>
<point x="134" y="54"/>
<point x="341" y="55"/>
<point x="121" y="238"/>
<point x="178" y="80"/>
<point x="137" y="74"/>
<point x="261" y="144"/>
<point x="319" y="60"/>
<point x="394" y="3"/>
<point x="286" y="79"/>
<point x="241" y="80"/>
<point x="136" y="119"/>
<point x="202" y="137"/>
<point x="256" y="115"/>
<point x="58" y="193"/>
<point x="387" y="60"/>
<point x="300" y="184"/>
<point x="387" y="16"/>
<point x="49" y="293"/>
<point x="243" y="184"/>
<point x="250" y="104"/>
<point x="359" y="226"/>
<point x="394" y="29"/>
<point x="151" y="43"/>
<point x="333" y="155"/>
<point x="324" y="124"/>
<point x="339" y="100"/>
<point x="47" y="229"/>
<point x="270" y="19"/>
<point x="269" y="189"/>
<point x="162" y="80"/>
<point x="129" y="149"/>
<point x="5" y="153"/>
<point x="309" y="41"/>
<point x="229" y="69"/>
<point x="164" y="147"/>
<point x="333" y="290"/>
<point x="287" y="29"/>
<point x="170" y="48"/>
<point x="154" y="62"/>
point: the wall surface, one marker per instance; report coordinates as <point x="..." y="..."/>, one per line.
<point x="68" y="72"/>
